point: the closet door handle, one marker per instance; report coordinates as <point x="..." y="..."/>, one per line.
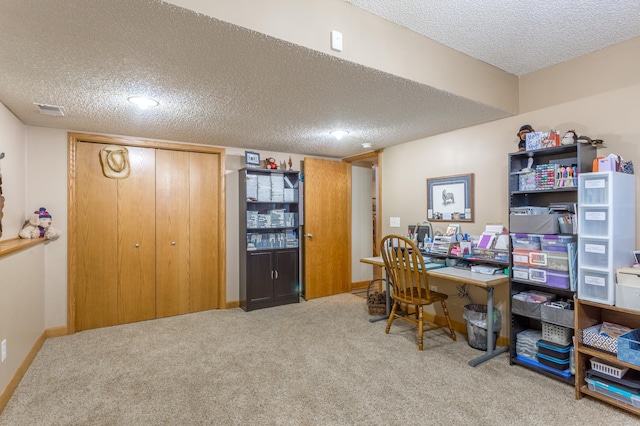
<point x="173" y="243"/>
<point x="271" y="274"/>
<point x="276" y="274"/>
<point x="137" y="245"/>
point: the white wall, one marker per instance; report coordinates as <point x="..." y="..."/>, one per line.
<point x="361" y="222"/>
<point x="47" y="180"/>
<point x="483" y="150"/>
<point x="13" y="166"/>
<point x="21" y="273"/>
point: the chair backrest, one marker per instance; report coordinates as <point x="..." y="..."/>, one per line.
<point x="405" y="268"/>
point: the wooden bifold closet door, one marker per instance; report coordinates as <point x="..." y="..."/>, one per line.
<point x="146" y="246"/>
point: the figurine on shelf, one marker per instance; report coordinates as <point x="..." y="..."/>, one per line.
<point x="290" y="164"/>
<point x="522" y="134"/>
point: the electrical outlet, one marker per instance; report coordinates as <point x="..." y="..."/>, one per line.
<point x="433" y="287"/>
<point x="4" y="350"/>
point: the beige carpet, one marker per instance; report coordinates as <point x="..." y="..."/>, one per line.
<point x="315" y="363"/>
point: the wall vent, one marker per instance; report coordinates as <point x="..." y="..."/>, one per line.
<point x="45" y="109"/>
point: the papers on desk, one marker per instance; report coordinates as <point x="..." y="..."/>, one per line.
<point x="483" y="269"/>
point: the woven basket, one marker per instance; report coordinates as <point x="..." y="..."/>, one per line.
<point x="376" y="308"/>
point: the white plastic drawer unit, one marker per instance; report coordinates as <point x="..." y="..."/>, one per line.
<point x="595" y="189"/>
<point x="594" y="221"/>
<point x="594" y="252"/>
<point x="597" y="286"/>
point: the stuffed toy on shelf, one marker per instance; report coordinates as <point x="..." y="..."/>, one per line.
<point x="39" y="225"/>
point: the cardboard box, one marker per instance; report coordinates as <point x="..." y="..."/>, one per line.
<point x="628" y="288"/>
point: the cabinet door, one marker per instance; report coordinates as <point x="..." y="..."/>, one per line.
<point x="259" y="277"/>
<point x="95" y="255"/>
<point x="204" y="285"/>
<point x="286" y="284"/>
<point x="137" y="238"/>
<point x="172" y="233"/>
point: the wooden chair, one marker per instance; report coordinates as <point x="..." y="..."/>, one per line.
<point x="405" y="268"/>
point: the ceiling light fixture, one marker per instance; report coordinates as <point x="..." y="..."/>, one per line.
<point x="366" y="145"/>
<point x="143" y="102"/>
<point x="339" y="134"/>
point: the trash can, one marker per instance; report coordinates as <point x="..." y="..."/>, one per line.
<point x="476" y="318"/>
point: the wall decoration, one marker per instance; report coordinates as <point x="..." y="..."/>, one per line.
<point x="252" y="159"/>
<point x="450" y="198"/>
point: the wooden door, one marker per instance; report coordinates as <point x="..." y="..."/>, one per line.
<point x="94" y="244"/>
<point x="137" y="238"/>
<point x="327" y="227"/>
<point x="172" y="233"/>
<point x="204" y="201"/>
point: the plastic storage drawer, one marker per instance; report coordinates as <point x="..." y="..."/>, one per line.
<point x="594" y="252"/>
<point x="596" y="286"/>
<point x="595" y="189"/>
<point x="594" y="221"/>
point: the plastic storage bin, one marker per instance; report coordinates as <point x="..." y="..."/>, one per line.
<point x="525" y="241"/>
<point x="613" y="392"/>
<point x="600" y="366"/>
<point x="556" y="333"/>
<point x="629" y="347"/>
<point x="549" y="361"/>
<point x="475" y="316"/>
<point x="526" y="343"/>
<point x="561" y="352"/>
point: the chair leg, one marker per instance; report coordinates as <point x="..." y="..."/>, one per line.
<point x="446" y="315"/>
<point x="391" y="316"/>
<point x="420" y="327"/>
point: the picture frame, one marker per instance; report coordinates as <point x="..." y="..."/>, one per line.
<point x="450" y="198"/>
<point x="252" y="159"/>
<point x="636" y="257"/>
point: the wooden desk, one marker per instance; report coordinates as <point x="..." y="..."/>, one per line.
<point x="464" y="276"/>
<point x="487" y="282"/>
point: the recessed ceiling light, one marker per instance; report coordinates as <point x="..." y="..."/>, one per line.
<point x="366" y="145"/>
<point x="143" y="102"/>
<point x="339" y="134"/>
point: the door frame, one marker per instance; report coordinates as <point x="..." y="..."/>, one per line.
<point x="375" y="157"/>
<point x="73" y="139"/>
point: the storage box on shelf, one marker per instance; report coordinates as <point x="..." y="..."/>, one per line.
<point x="628" y="288"/>
<point x="600" y="373"/>
<point x="607" y="232"/>
<point x="543" y="256"/>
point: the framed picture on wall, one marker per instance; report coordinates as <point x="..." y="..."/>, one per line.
<point x="450" y="198"/>
<point x="252" y="159"/>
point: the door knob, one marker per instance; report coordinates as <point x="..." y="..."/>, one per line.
<point x="173" y="243"/>
<point x="308" y="235"/>
<point x="137" y="245"/>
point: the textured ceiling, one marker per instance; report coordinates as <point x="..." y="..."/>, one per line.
<point x="217" y="83"/>
<point x="518" y="36"/>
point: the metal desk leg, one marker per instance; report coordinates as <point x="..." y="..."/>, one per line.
<point x="387" y="303"/>
<point x="490" y="337"/>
